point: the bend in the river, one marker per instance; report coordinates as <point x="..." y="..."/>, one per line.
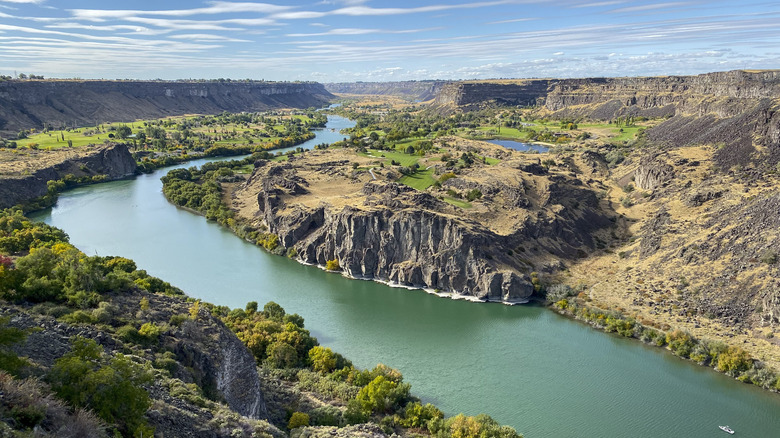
<point x="544" y="374"/>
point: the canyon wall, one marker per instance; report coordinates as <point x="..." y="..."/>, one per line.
<point x="413" y="90"/>
<point x="55" y="103"/>
<point x="19" y="183"/>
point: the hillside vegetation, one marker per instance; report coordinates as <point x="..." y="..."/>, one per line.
<point x="92" y="346"/>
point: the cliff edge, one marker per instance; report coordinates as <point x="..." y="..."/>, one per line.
<point x="59" y="103"/>
<point x="341" y="205"/>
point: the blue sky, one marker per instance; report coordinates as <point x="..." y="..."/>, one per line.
<point x="362" y="40"/>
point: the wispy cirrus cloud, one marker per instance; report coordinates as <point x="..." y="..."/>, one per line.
<point x="359" y="31"/>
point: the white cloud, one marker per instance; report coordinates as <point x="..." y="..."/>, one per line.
<point x="358" y="31"/>
<point x="205" y="37"/>
<point x="515" y="20"/>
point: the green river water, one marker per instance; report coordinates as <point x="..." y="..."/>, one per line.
<point x="544" y="374"/>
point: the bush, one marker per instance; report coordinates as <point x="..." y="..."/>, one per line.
<point x="149" y="331"/>
<point x="112" y="387"/>
<point x="681" y="343"/>
<point x="128" y="333"/>
<point x="769" y="257"/>
<point x="558" y="292"/>
<point x="281" y="355"/>
<point x="326" y="415"/>
<point x="332" y="265"/>
<point x="298" y="419"/>
<point x="734" y="360"/>
<point x="383" y="395"/>
<point x="418" y="415"/>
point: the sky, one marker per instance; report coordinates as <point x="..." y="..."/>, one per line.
<point x="373" y="40"/>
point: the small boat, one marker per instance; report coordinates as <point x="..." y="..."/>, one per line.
<point x="727" y="429"/>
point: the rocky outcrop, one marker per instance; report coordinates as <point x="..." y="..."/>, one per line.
<point x="734" y="108"/>
<point x="400" y="244"/>
<point x="652" y="172"/>
<point x="528" y="219"/>
<point x="113" y="161"/>
<point x="52" y="103"/>
<point x="206" y="352"/>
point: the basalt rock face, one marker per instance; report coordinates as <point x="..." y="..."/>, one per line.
<point x="416" y="90"/>
<point x="206" y="353"/>
<point x="468" y="94"/>
<point x="33" y="104"/>
<point x="114" y="161"/>
<point x="735" y="108"/>
<point x="399" y="243"/>
<point x="379" y="229"/>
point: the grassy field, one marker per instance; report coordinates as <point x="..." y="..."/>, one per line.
<point x="230" y="134"/>
<point x="419" y="180"/>
<point x="388" y="156"/>
<point x="457" y="202"/>
<point x="603" y="131"/>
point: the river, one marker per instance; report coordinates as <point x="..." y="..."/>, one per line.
<point x="527" y="366"/>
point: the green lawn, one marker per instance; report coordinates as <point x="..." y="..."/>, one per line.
<point x="420" y="180"/>
<point x="400" y="157"/>
<point x="457" y="202"/>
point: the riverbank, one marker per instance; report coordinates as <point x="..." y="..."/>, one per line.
<point x="731" y="360"/>
<point x="715" y="354"/>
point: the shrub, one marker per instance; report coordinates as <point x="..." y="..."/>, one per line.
<point x="332" y="265"/>
<point x="769" y="257"/>
<point x="734" y="360"/>
<point x="355" y="414"/>
<point x="383" y="395"/>
<point x="558" y="292"/>
<point x="150" y="331"/>
<point x="79" y="317"/>
<point x="112" y="387"/>
<point x="322" y="359"/>
<point x="298" y="419"/>
<point x="177" y="319"/>
<point x="281" y="355"/>
<point x="128" y="333"/>
<point x="418" y="415"/>
<point x="326" y="415"/>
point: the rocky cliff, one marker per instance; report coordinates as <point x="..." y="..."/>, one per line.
<point x="206" y="354"/>
<point x="735" y="109"/>
<point x="470" y="94"/>
<point x="25" y="177"/>
<point x="35" y="104"/>
<point x="527" y="219"/>
<point x="414" y="90"/>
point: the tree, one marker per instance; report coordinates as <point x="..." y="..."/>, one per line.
<point x="281" y="355"/>
<point x="382" y="395"/>
<point x="322" y="359"/>
<point x="123" y="132"/>
<point x="273" y="311"/>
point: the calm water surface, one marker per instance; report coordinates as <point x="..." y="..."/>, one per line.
<point x="519" y="146"/>
<point x="526" y="366"/>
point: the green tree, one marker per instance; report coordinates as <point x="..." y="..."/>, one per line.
<point x="123" y="132"/>
<point x="281" y="355"/>
<point x="382" y="395"/>
<point x="322" y="359"/>
<point x="273" y="311"/>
